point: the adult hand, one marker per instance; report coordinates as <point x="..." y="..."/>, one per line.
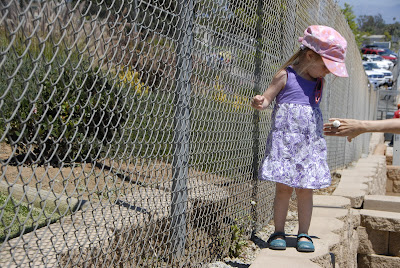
<point x="348" y="127"/>
<point x="258" y="102"/>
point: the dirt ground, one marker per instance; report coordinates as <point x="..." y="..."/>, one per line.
<point x="108" y="178"/>
<point x="83" y="180"/>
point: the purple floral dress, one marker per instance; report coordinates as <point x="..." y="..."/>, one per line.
<point x="296" y="149"/>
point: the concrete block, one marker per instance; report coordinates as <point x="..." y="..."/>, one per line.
<point x="380" y="220"/>
<point x="389" y="185"/>
<point x="356" y="196"/>
<point x="396" y="186"/>
<point x="360" y="172"/>
<point x="329" y="201"/>
<point x="357" y="185"/>
<point x="42" y="199"/>
<point x="393" y="172"/>
<point x="382" y="203"/>
<point x="372" y="241"/>
<point x="267" y="258"/>
<point x="394" y="244"/>
<point x="389" y="159"/>
<point x="365" y="168"/>
<point x="389" y="152"/>
<point x="380" y="149"/>
<point x="372" y="159"/>
<point x="366" y="164"/>
<point x="376" y="139"/>
<point x="354" y="241"/>
<point x="338" y="213"/>
<point x="355" y="217"/>
<point x="354" y="178"/>
<point x="377" y="261"/>
<point x="321" y="225"/>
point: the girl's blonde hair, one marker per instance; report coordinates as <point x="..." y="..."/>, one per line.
<point x="293" y="60"/>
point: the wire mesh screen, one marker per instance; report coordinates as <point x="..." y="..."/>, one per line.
<point x="127" y="136"/>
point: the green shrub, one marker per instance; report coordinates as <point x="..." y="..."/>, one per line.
<point x="58" y="111"/>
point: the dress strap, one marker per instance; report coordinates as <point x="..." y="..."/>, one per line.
<point x="318" y="89"/>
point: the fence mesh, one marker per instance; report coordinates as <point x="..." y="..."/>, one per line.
<point x="126" y="132"/>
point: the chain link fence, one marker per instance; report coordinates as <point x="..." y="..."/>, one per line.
<point x="126" y="132"/>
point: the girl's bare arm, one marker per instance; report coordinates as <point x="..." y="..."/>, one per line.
<point x="261" y="102"/>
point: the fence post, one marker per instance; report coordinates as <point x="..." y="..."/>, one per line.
<point x="179" y="192"/>
<point x="256" y="115"/>
<point x="396" y="150"/>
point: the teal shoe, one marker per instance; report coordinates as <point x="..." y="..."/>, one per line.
<point x="305" y="246"/>
<point x="277" y="244"/>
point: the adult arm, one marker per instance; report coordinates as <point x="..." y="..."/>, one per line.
<point x="351" y="128"/>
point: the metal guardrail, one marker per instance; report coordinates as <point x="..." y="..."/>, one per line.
<point x="126" y="133"/>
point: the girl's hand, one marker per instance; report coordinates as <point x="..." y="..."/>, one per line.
<point x="258" y="102"/>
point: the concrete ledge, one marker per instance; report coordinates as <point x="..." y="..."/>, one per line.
<point x="376" y="139"/>
<point x="367" y="176"/>
<point x="285" y="259"/>
<point x="328" y="201"/>
<point x="380" y="149"/>
<point x="382" y="203"/>
<point x="355" y="195"/>
<point x="42" y="198"/>
<point x="380" y="220"/>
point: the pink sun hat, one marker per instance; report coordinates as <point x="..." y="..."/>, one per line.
<point x="328" y="43"/>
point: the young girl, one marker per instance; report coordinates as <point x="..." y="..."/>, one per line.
<point x="296" y="149"/>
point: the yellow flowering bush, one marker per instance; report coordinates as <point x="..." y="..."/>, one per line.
<point x="240" y="102"/>
<point x="132" y="79"/>
<point x="219" y="94"/>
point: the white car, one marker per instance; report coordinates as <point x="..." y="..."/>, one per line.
<point x="376" y="78"/>
<point x="382" y="63"/>
<point x="372" y="66"/>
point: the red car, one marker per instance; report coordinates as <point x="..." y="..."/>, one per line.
<point x="378" y="51"/>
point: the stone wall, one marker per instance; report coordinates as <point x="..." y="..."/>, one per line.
<point x="393" y="180"/>
<point x="379" y="232"/>
<point x="366" y="177"/>
<point x="376" y="220"/>
<point x="379" y="229"/>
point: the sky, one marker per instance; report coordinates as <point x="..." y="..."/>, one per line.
<point x="387" y="8"/>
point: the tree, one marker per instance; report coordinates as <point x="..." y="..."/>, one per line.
<point x="350" y="18"/>
<point x="393" y="29"/>
<point x="371" y="24"/>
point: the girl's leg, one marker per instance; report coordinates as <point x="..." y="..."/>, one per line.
<point x="304" y="209"/>
<point x="281" y="205"/>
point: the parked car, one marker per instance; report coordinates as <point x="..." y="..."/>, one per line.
<point x="382" y="63"/>
<point x="379" y="51"/>
<point x="390" y="52"/>
<point x="372" y="66"/>
<point x="376" y="78"/>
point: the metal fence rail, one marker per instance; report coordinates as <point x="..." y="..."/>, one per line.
<point x="126" y="133"/>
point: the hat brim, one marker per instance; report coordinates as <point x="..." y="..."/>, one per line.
<point x="336" y="68"/>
